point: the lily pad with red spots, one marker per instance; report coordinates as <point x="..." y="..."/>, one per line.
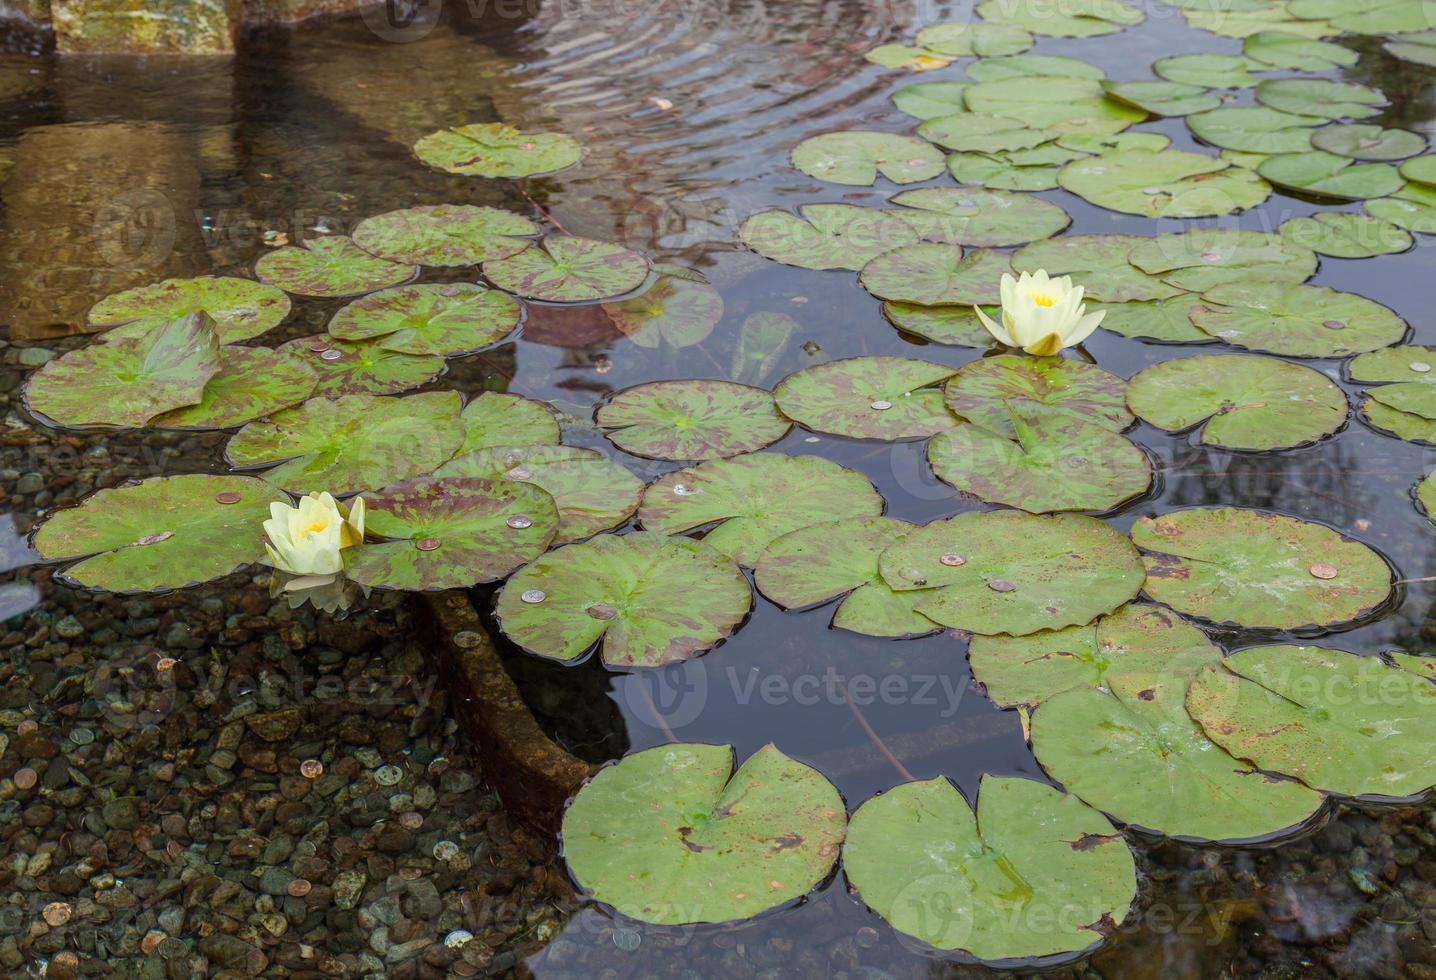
<point x="565" y="269"/>
<point x="252" y="382"/>
<point x="981" y="391"/>
<point x="1296" y="320"/>
<point x="680" y="309"/>
<point x="240" y="308"/>
<point x="445" y="234"/>
<point x="433" y="319"/>
<point x="868" y="398"/>
<point x="1099" y="264"/>
<point x="330" y="266"/>
<point x="497" y="150"/>
<point x="957" y="326"/>
<point x="937" y="275"/>
<point x="692" y="419"/>
<point x="496" y="418"/>
<point x="361" y="367"/>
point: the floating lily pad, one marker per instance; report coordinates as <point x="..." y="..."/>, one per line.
<point x="164" y="533"/>
<point x="816" y="564"/>
<point x="1402" y="425"/>
<point x="1418" y="48"/>
<point x="240" y="308"/>
<point x="498" y="419"/>
<point x="252" y="382"/>
<point x="828" y="236"/>
<point x="1167" y="320"/>
<point x="1370" y="16"/>
<point x="754" y="499"/>
<point x="1072" y="18"/>
<point x="1422" y="170"/>
<point x="692" y="419"/>
<point x="1010" y="572"/>
<point x="1259" y="570"/>
<point x="868" y="398"/>
<point x="1245" y="19"/>
<point x="959" y="40"/>
<point x="358" y="442"/>
<point x="762" y="341"/>
<point x="1320" y="97"/>
<point x="1404" y="363"/>
<point x="1207" y="70"/>
<point x="987" y="218"/>
<point x="330" y="266"/>
<point x="1034" y="873"/>
<point x="361" y="367"/>
<point x="1296" y="320"/>
<point x="1283" y="49"/>
<point x="1408" y="397"/>
<point x="667" y="836"/>
<point x="1366" y="142"/>
<point x="1207" y="257"/>
<point x="1057" y="462"/>
<point x="497" y="150"/>
<point x="974" y="131"/>
<point x="436" y="319"/>
<point x="1322" y="174"/>
<point x="857" y="157"/>
<point x="1027" y="670"/>
<point x="1019" y="170"/>
<point x="1089" y="144"/>
<point x="1413" y="208"/>
<point x="982" y="390"/>
<point x="650" y="599"/>
<point x="675" y="311"/>
<point x="565" y="269"/>
<point x="1241" y="401"/>
<point x="1347" y="236"/>
<point x="906" y="56"/>
<point x="1426" y="495"/>
<point x="1059" y="104"/>
<point x="1165" y="184"/>
<point x="1163" y="98"/>
<point x="1254" y="129"/>
<point x="445" y="234"/>
<point x="1027" y="65"/>
<point x="450" y="533"/>
<point x="936" y="275"/>
<point x="1132" y="752"/>
<point x="928" y="100"/>
<point x="1097" y="262"/>
<point x="128" y="382"/>
<point x="955" y="325"/>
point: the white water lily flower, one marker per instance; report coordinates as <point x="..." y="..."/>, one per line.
<point x="306" y="540"/>
<point x="1041" y="315"/>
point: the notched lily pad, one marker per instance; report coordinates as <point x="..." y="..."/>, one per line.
<point x="928" y="100"/>
<point x="1061" y="105"/>
<point x="1413" y="207"/>
<point x="497" y="150"/>
<point x="936" y="275"/>
<point x="1344" y="235"/>
<point x="1073" y="18"/>
<point x="565" y="269"/>
<point x="1163" y="98"/>
<point x="445" y="234"/>
<point x="982" y="391"/>
<point x="1206" y="257"/>
<point x="497" y="418"/>
<point x="983" y="40"/>
<point x="251" y="382"/>
<point x="445" y="319"/>
<point x="1166" y="320"/>
<point x="1320" y="97"/>
<point x="858" y="157"/>
<point x="329" y="266"/>
<point x="692" y="419"/>
<point x="1283" y="49"/>
<point x="361" y="367"/>
<point x="1208" y="70"/>
<point x="1327" y="175"/>
<point x="954" y="325"/>
<point x="240" y="308"/>
<point x="1099" y="263"/>
<point x="828" y="236"/>
<point x="868" y="398"/>
<point x="984" y="218"/>
<point x="1164" y="184"/>
<point x="1255" y="129"/>
<point x="1296" y="320"/>
<point x="1363" y="142"/>
<point x="1026" y="65"/>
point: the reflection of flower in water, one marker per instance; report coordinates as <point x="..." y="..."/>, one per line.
<point x="1040" y="314"/>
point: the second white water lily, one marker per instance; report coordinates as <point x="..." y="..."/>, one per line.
<point x="1041" y="315"/>
<point x="306" y="540"/>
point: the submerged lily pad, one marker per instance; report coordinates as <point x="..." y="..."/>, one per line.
<point x="1323" y="174"/>
<point x="1010" y="572"/>
<point x="1347" y="236"/>
<point x="163" y="533"/>
<point x="1206" y="257"/>
<point x="1259" y="570"/>
<point x="329" y="266"/>
<point x="497" y="150"/>
<point x="436" y="318"/>
<point x="986" y="218"/>
<point x="868" y="398"/>
<point x="1283" y="49"/>
<point x="1255" y="129"/>
<point x="983" y="390"/>
<point x="1058" y="104"/>
<point x="1027" y="670"/>
<point x="650" y="599"/>
<point x="1241" y="401"/>
<point x="754" y="499"/>
<point x="1072" y="18"/>
<point x="1026" y="65"/>
<point x="985" y="40"/>
<point x="929" y="100"/>
<point x="857" y="157"/>
<point x="251" y="382"/>
<point x="358" y="442"/>
<point x="1132" y="751"/>
<point x="1364" y="142"/>
<point x="816" y="564"/>
<point x="1034" y="873"/>
<point x="1098" y="263"/>
<point x="955" y="325"/>
<point x="677" y="310"/>
<point x="565" y="269"/>
<point x="672" y="835"/>
<point x="361" y="367"/>
<point x="762" y="341"/>
<point x="936" y="275"/>
<point x="445" y="234"/>
<point x="496" y="418"/>
<point x="1163" y="98"/>
<point x="1296" y="320"/>
<point x="828" y="236"/>
<point x="692" y="419"/>
<point x="1207" y="70"/>
<point x="1164" y="184"/>
<point x="240" y="308"/>
<point x="1167" y="320"/>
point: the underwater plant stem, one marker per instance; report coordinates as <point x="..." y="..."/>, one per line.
<point x="660" y="722"/>
<point x="1409" y="581"/>
<point x="874" y="738"/>
<point x="548" y="215"/>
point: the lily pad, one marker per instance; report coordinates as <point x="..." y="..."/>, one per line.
<point x="240" y="308"/>
<point x="667" y="836"/>
<point x="1027" y="65"/>
<point x="163" y="533"/>
<point x="330" y="266"/>
<point x="1370" y="16"/>
<point x="1027" y="670"/>
<point x="987" y="218"/>
<point x="497" y="150"/>
<point x="692" y="420"/>
<point x="1017" y="170"/>
<point x="128" y="382"/>
<point x="1254" y="129"/>
<point x="959" y="40"/>
<point x="1034" y="873"/>
<point x="1259" y="570"/>
<point x="1207" y="257"/>
<point x="496" y="418"/>
<point x="650" y="599"/>
<point x="444" y="319"/>
<point x="1413" y="208"/>
<point x="929" y="100"/>
<point x="936" y="275"/>
<point x="1241" y="401"/>
<point x="1208" y="70"/>
<point x="1010" y="572"/>
<point x="1407" y="397"/>
<point x="1072" y="18"/>
<point x="1418" y="48"/>
<point x="857" y="157"/>
<point x="676" y="311"/>
<point x="1283" y="49"/>
<point x="755" y="499"/>
<point x="906" y="56"/>
<point x="1367" y="142"/>
<point x="1296" y="320"/>
<point x="828" y="236"/>
<point x="445" y="234"/>
<point x="885" y="398"/>
<point x="252" y="382"/>
<point x="954" y="325"/>
<point x="1164" y="184"/>
<point x="1132" y="752"/>
<point x="565" y="269"/>
<point x="1058" y="104"/>
<point x="817" y="564"/>
<point x="1166" y="320"/>
<point x="450" y="533"/>
<point x="1322" y="174"/>
<point x="1408" y="362"/>
<point x="1426" y="496"/>
<point x="361" y="367"/>
<point x="1163" y="98"/>
<point x="1232" y="20"/>
<point x="1098" y="263"/>
<point x="974" y="131"/>
<point x="358" y="442"/>
<point x="1422" y="170"/>
<point x="1402" y="425"/>
<point x="1347" y="236"/>
<point x="1320" y="97"/>
<point x="983" y="390"/>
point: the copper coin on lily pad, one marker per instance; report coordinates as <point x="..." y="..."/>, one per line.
<point x="868" y="398"/>
<point x="430" y="319"/>
<point x="330" y="266"/>
<point x="497" y="150"/>
<point x="692" y="419"/>
<point x="566" y="269"/>
<point x="445" y="234"/>
<point x="240" y="308"/>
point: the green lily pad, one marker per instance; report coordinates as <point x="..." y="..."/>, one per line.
<point x="361" y="367"/>
<point x="1010" y="572"/>
<point x="954" y="325"/>
<point x="1339" y="722"/>
<point x="906" y="56"/>
<point x="828" y="236"/>
<point x="857" y="157"/>
<point x="1370" y="16"/>
<point x="1091" y="144"/>
<point x="128" y="382"/>
<point x="1163" y="98"/>
<point x="1057" y="462"/>
<point x="667" y="836"/>
<point x="1072" y="18"/>
<point x="1296" y="320"/>
<point x="1418" y="48"/>
<point x="1003" y="171"/>
<point x="1034" y="873"/>
<point x="1167" y="320"/>
<point x="885" y="398"/>
<point x="1282" y="49"/>
<point x="450" y="533"/>
<point x="959" y="40"/>
<point x="1027" y="65"/>
<point x="1402" y="425"/>
<point x="1207" y="70"/>
<point x="692" y="420"/>
<point x="1203" y="258"/>
<point x="762" y="341"/>
<point x="1320" y="97"/>
<point x="986" y="218"/>
<point x="357" y="442"/>
<point x="817" y="564"/>
<point x="1259" y="570"/>
<point x="1254" y="129"/>
<point x="1361" y="141"/>
<point x="1165" y="184"/>
<point x="1132" y="752"/>
<point x="329" y="266"/>
<point x="1413" y="208"/>
<point x="1426" y="496"/>
<point x="650" y="599"/>
<point x="565" y="269"/>
<point x="496" y="418"/>
<point x="1347" y="236"/>
<point x="675" y="311"/>
<point x="1059" y="104"/>
<point x="1228" y="20"/>
<point x="1408" y="397"/>
<point x="936" y="275"/>
<point x="497" y="150"/>
<point x="1422" y="170"/>
<point x="252" y="382"/>
<point x="983" y="390"/>
<point x="444" y="319"/>
<point x="1408" y="362"/>
<point x="929" y="100"/>
<point x="978" y="131"/>
<point x="167" y="532"/>
<point x="445" y="234"/>
<point x="1027" y="670"/>
<point x="1241" y="401"/>
<point x="240" y="308"/>
<point x="1098" y="263"/>
<point x="755" y="499"/>
<point x="1322" y="174"/>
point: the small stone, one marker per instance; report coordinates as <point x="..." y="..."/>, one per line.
<point x="388" y="775"/>
<point x="275" y="881"/>
<point x="70" y="628"/>
<point x="601" y="611"/>
<point x="348" y="885"/>
<point x="274" y="726"/>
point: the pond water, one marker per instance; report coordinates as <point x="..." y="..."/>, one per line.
<point x="119" y="172"/>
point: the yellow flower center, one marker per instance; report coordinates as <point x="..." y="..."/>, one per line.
<point x="1042" y="299"/>
<point x="318" y="527"/>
